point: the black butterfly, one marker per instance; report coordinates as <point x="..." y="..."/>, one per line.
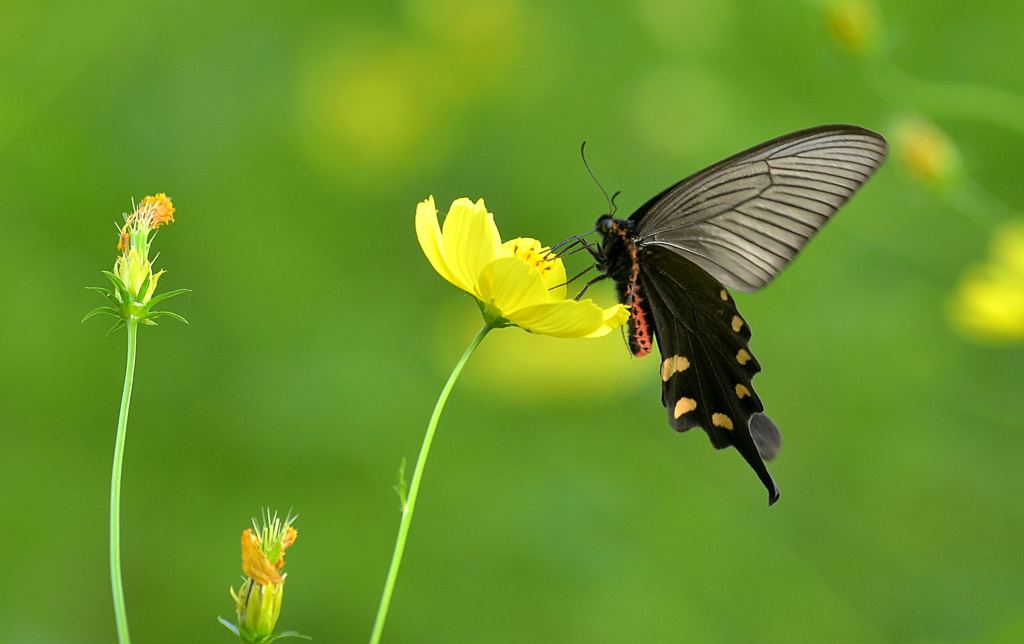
<point x="737" y="223"/>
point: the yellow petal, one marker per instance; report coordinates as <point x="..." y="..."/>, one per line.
<point x="554" y="280"/>
<point x="614" y="317"/>
<point x="563" y="319"/>
<point x="510" y="284"/>
<point x="535" y="254"/>
<point x="152" y="286"/>
<point x="470" y="241"/>
<point x="429" y="235"/>
<point x="513" y="246"/>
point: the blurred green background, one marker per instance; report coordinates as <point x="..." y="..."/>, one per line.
<point x="296" y="139"/>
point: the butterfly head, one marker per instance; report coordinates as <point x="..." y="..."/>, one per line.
<point x="607" y="224"/>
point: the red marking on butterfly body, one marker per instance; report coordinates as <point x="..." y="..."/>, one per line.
<point x="639" y="327"/>
<point x="640" y="341"/>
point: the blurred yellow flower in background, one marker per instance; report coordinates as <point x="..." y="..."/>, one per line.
<point x="516" y="283"/>
<point x="854" y="26"/>
<point x="989" y="303"/>
<point x="928" y="155"/>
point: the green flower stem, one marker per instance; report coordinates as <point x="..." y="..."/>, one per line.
<point x="115" y="491"/>
<point x="414" y="487"/>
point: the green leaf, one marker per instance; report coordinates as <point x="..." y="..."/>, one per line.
<point x="401" y="487"/>
<point x="164" y="296"/>
<point x="97" y="311"/>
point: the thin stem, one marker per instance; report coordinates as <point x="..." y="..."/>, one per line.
<point x="414" y="486"/>
<point x="115" y="492"/>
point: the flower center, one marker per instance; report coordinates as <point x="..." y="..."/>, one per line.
<point x="537" y="256"/>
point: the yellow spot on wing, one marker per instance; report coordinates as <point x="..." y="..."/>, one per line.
<point x="741" y="391"/>
<point x="685" y="405"/>
<point x="724" y="296"/>
<point x="743" y="356"/>
<point x="721" y="420"/>
<point x="675" y="364"/>
<point x="737" y="323"/>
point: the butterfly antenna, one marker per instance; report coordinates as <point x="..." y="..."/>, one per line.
<point x="610" y="200"/>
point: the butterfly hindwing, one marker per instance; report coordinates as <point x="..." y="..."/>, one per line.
<point x="706" y="365"/>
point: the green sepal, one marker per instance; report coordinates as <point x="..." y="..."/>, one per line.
<point x="284" y="634"/>
<point x="492" y="316"/>
<point x="117" y="325"/>
<point x="248" y="637"/>
<point x="145" y="285"/>
<point x="231" y="627"/>
<point x="128" y="308"/>
<point x="164" y="296"/>
<point x="155" y="314"/>
<point x="122" y="290"/>
<point x="105" y="292"/>
<point x="103" y="309"/>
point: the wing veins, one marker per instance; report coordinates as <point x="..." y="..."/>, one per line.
<point x="800" y="195"/>
<point x="815" y="165"/>
<point x="787" y="176"/>
<point x="846" y="156"/>
<point x="769" y="235"/>
<point x="767" y="205"/>
<point x="744" y="238"/>
<point x="689" y="195"/>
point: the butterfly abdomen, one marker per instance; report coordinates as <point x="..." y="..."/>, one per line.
<point x="641" y="329"/>
<point x="622" y="266"/>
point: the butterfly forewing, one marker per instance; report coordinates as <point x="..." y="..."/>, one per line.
<point x="745" y="218"/>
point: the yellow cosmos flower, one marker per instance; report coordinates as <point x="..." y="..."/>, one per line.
<point x="989" y="304"/>
<point x="518" y="282"/>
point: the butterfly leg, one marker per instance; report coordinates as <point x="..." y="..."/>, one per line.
<point x="587" y="285"/>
